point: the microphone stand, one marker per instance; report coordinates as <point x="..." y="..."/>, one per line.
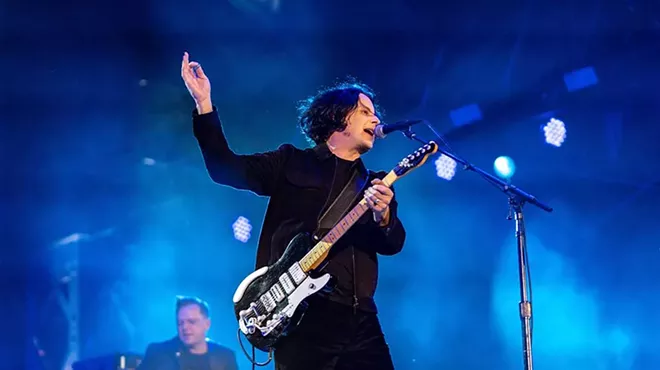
<point x="516" y="199"/>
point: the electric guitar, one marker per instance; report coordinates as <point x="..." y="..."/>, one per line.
<point x="266" y="302"/>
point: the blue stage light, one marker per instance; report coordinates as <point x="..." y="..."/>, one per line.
<point x="504" y="167"/>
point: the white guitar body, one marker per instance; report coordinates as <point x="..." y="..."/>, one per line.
<point x="267" y="299"/>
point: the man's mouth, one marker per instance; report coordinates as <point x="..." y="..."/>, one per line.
<point x="369" y="131"/>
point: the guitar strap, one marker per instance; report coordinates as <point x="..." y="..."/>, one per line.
<point x="342" y="203"/>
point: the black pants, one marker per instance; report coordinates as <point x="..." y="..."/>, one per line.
<point x="332" y="337"/>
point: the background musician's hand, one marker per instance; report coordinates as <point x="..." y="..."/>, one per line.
<point x="378" y="198"/>
<point x="197" y="83"/>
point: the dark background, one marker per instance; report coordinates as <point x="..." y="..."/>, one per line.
<point x="93" y="88"/>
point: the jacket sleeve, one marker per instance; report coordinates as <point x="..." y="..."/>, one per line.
<point x="258" y="172"/>
<point x="389" y="239"/>
<point x="151" y="359"/>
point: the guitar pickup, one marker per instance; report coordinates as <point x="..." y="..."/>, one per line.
<point x="277" y="293"/>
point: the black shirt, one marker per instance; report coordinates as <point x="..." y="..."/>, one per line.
<point x="191" y="361"/>
<point x="170" y="355"/>
<point x="299" y="184"/>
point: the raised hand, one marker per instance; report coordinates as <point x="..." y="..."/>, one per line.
<point x="197" y="83"/>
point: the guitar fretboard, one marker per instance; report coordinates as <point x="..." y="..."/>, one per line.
<point x="316" y="255"/>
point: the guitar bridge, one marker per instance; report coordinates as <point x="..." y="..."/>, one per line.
<point x="250" y="324"/>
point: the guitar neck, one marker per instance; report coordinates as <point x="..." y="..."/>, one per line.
<point x="317" y="255"/>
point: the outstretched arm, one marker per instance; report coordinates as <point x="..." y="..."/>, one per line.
<point x="258" y="173"/>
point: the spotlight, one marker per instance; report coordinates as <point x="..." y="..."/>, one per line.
<point x="242" y="229"/>
<point x="445" y="167"/>
<point x="555" y="132"/>
<point x="504" y="167"/>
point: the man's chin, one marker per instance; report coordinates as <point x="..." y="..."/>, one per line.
<point x="365" y="147"/>
<point x="187" y="341"/>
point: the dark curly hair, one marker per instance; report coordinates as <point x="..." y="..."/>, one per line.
<point x="325" y="113"/>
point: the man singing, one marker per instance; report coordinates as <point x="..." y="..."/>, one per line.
<point x="340" y="329"/>
<point x="190" y="349"/>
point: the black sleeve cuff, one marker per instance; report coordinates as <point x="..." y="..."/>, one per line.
<point x="196" y="114"/>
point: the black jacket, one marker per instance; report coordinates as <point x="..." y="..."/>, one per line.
<point x="166" y="356"/>
<point x="298" y="183"/>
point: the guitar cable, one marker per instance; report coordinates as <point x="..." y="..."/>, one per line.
<point x="254" y="355"/>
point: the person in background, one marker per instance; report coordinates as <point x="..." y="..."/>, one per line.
<point x="190" y="349"/>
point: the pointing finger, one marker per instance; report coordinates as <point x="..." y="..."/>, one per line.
<point x="184" y="62"/>
<point x="186" y="72"/>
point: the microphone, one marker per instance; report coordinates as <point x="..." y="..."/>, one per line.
<point x="382" y="130"/>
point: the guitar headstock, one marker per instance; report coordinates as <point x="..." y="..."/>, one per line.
<point x="415" y="159"/>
